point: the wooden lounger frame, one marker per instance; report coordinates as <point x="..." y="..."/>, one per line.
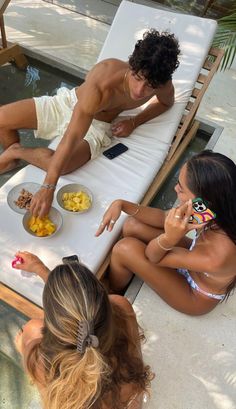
<point x="9" y="53"/>
<point x="186" y="131"/>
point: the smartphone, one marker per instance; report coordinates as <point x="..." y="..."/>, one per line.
<point x="115" y="151"/>
<point x="69" y="259"/>
<point x="201" y="212"/>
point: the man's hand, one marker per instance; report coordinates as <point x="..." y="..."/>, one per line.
<point x="41" y="202"/>
<point x="123" y="128"/>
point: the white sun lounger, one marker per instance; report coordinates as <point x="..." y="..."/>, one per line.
<point x="131" y="175"/>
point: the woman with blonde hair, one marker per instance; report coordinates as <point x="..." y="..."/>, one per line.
<point x="85" y="352"/>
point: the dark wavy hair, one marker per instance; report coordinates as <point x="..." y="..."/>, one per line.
<point x="155" y="57"/>
<point x="79" y="380"/>
<point x="212" y="176"/>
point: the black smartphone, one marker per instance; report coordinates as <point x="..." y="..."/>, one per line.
<point x="69" y="259"/>
<point x="115" y="151"/>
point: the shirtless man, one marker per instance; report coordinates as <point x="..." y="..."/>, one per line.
<point x="84" y="115"/>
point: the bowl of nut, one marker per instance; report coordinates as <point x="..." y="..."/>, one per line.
<point x="19" y="197"/>
<point x="74" y="198"/>
<point x="46" y="226"/>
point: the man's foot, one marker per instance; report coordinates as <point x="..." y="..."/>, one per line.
<point x="7" y="159"/>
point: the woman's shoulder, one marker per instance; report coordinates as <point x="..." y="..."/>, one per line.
<point x="218" y="236"/>
<point x="221" y="249"/>
<point x="31" y="338"/>
<point x="31" y="334"/>
<point x="124" y="306"/>
<point x="128" y="321"/>
<point x="122" y="303"/>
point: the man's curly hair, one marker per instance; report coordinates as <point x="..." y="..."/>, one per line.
<point x="155" y="57"/>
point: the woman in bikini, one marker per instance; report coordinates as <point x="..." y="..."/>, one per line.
<point x="192" y="276"/>
<point x="85" y="352"/>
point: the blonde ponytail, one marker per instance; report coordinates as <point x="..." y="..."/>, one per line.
<point x="75" y="381"/>
<point x="84" y="355"/>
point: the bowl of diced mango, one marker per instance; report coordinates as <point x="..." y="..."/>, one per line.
<point x="46" y="226"/>
<point x="74" y="198"/>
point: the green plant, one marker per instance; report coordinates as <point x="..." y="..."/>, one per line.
<point x="226" y="38"/>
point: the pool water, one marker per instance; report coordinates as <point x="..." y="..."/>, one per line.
<point x="16" y="391"/>
<point x="39" y="79"/>
<point x="166" y="197"/>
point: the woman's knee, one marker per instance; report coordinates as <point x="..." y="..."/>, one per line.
<point x="126" y="248"/>
<point x="130" y="227"/>
<point x="119" y="248"/>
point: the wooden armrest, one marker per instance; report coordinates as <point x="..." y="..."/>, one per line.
<point x="20" y="303"/>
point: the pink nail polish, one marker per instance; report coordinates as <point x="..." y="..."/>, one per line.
<point x="16" y="260"/>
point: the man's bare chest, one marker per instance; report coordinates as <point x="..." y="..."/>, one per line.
<point x="109" y="113"/>
<point x="122" y="104"/>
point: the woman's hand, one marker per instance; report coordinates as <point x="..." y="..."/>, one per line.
<point x="31" y="264"/>
<point x="123" y="128"/>
<point x="110" y="217"/>
<point x="176" y="226"/>
<point x="177" y="223"/>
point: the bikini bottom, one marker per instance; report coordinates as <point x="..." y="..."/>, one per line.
<point x="194" y="285"/>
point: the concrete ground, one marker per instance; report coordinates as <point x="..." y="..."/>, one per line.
<point x="194" y="358"/>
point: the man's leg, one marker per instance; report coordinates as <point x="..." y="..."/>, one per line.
<point x="41" y="157"/>
<point x="18" y="115"/>
<point x="22" y="114"/>
<point x="14" y="116"/>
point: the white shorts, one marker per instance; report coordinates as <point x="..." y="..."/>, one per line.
<point x="54" y="114"/>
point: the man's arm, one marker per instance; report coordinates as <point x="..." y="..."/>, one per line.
<point x="160" y="103"/>
<point x="77" y="129"/>
<point x="91" y="100"/>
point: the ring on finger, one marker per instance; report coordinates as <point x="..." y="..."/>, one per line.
<point x="177" y="216"/>
<point x="101" y="224"/>
<point x="112" y="221"/>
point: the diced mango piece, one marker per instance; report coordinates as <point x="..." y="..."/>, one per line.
<point x="41" y="227"/>
<point x="76" y="201"/>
